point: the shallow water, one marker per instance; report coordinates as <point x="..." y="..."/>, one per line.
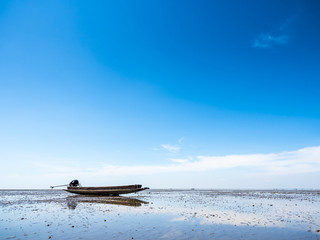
<point x="161" y="214"/>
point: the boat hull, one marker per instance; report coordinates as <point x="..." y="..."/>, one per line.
<point x="106" y="191"/>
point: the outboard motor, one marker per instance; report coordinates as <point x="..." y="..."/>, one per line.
<point x="74" y="183"/>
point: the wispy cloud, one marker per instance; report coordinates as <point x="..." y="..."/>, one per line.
<point x="276" y="37"/>
<point x="179" y="160"/>
<point x="181" y="140"/>
<point x="255" y="166"/>
<point x="301" y="161"/>
<point x="268" y="41"/>
<point x="288" y="22"/>
<point x="171" y="148"/>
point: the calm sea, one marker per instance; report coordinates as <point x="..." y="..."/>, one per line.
<point x="161" y="214"/>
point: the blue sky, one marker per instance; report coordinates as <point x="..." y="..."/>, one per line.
<point x="209" y="94"/>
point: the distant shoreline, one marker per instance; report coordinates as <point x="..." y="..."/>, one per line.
<point x="180" y="189"/>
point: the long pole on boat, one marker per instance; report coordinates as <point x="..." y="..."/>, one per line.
<point x="59" y="186"/>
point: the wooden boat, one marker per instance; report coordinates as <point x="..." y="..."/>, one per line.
<point x="109" y="191"/>
<point x="75" y="187"/>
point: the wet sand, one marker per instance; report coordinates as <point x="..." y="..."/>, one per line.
<point x="161" y="214"/>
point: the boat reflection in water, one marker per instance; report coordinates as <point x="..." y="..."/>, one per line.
<point x="73" y="201"/>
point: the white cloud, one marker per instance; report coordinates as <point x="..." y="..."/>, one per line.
<point x="179" y="160"/>
<point x="301" y="161"/>
<point x="272" y="166"/>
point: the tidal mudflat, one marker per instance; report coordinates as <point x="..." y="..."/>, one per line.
<point x="161" y="214"/>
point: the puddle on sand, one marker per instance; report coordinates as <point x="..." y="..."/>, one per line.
<point x="161" y="214"/>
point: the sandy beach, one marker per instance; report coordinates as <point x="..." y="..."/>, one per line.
<point x="161" y="214"/>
